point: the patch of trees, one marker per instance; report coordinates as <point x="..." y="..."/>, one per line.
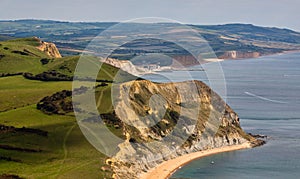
<point x="20" y="52"/>
<point x="48" y="76"/>
<point x="8" y="147"/>
<point x="65" y="67"/>
<point x="10" y="176"/>
<point x="9" y="129"/>
<point x="45" y="61"/>
<point x="110" y="119"/>
<point x="10" y="74"/>
<point x="9" y="159"/>
<point x="2" y="56"/>
<point x="58" y="103"/>
<point x="102" y="84"/>
<point x="80" y="90"/>
<point x="91" y="79"/>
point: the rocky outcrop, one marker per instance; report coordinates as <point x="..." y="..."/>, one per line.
<point x="163" y="121"/>
<point x="156" y="122"/>
<point x="125" y="65"/>
<point x="178" y="62"/>
<point x="49" y="48"/>
<point x="239" y="55"/>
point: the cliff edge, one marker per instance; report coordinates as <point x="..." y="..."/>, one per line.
<point x="49" y="48"/>
<point x="161" y="121"/>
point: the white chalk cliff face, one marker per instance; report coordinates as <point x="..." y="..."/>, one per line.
<point x="126" y="65"/>
<point x="239" y="55"/>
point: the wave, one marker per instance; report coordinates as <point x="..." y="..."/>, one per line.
<point x="264" y="98"/>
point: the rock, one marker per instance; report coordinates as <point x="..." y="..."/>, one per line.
<point x="125" y="65"/>
<point x="216" y="125"/>
<point x="49" y="48"/>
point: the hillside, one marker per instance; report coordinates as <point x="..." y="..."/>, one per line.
<point x="21" y="55"/>
<point x="40" y="60"/>
<point x="155" y="122"/>
<point x="167" y="120"/>
<point x="40" y="137"/>
<point x="34" y="144"/>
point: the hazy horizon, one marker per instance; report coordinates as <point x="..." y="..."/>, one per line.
<point x="201" y="12"/>
<point x="296" y="30"/>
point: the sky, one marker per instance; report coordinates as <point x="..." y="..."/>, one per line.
<point x="275" y="13"/>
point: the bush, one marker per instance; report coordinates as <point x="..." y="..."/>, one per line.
<point x="44" y="61"/>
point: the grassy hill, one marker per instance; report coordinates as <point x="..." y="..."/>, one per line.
<point x="25" y="150"/>
<point x="20" y="55"/>
<point x="64" y="153"/>
<point x="39" y="134"/>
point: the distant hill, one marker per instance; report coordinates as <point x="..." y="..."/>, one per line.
<point x="228" y="41"/>
<point x="249" y="38"/>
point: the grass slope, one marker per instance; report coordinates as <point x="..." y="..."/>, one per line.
<point x="21" y="55"/>
<point x="65" y="152"/>
<point x="17" y="92"/>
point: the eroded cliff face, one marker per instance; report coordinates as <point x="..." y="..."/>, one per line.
<point x="49" y="48"/>
<point x="125" y="65"/>
<point x="181" y="61"/>
<point x="239" y="55"/>
<point x="163" y="121"/>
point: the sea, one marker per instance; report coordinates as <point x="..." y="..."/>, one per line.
<point x="265" y="93"/>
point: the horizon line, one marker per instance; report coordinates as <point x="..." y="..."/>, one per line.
<point x="104" y="21"/>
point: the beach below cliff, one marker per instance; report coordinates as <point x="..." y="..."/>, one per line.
<point x="167" y="168"/>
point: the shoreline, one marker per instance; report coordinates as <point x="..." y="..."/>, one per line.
<point x="267" y="55"/>
<point x="167" y="168"/>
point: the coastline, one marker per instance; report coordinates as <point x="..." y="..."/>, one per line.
<point x="167" y="168"/>
<point x="265" y="55"/>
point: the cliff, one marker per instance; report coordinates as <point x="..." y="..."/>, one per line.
<point x="125" y="65"/>
<point x="153" y="122"/>
<point x="180" y="61"/>
<point x="163" y="121"/>
<point x="239" y="55"/>
<point x="49" y="48"/>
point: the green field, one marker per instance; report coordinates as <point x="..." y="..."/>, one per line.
<point x="16" y="91"/>
<point x="21" y="55"/>
<point x="64" y="152"/>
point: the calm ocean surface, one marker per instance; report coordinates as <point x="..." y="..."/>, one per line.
<point x="265" y="92"/>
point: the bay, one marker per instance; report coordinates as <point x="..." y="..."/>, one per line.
<point x="265" y="92"/>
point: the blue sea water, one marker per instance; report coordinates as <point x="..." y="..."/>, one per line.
<point x="265" y="92"/>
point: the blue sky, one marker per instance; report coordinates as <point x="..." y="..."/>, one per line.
<point x="279" y="13"/>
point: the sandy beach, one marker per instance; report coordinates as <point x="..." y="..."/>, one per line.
<point x="165" y="169"/>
